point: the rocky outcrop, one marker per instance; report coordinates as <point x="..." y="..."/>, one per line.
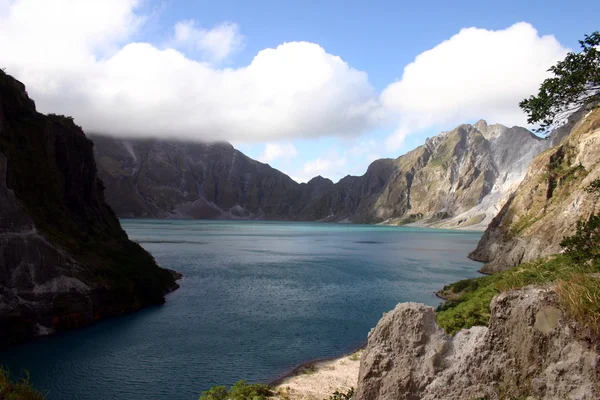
<point x="459" y="179"/>
<point x="64" y="259"/>
<point x="548" y="203"/>
<point x="529" y="350"/>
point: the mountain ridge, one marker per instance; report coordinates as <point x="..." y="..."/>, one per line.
<point x="472" y="165"/>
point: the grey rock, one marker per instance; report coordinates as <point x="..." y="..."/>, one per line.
<point x="529" y="349"/>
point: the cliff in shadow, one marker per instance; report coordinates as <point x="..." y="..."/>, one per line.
<point x="64" y="260"/>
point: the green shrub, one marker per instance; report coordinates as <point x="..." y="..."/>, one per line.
<point x="342" y="396"/>
<point x="243" y="391"/>
<point x="215" y="393"/>
<point x="584" y="245"/>
<point x="240" y="391"/>
<point x="355" y="356"/>
<point x="309" y="369"/>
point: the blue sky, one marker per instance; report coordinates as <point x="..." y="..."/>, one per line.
<point x="374" y="40"/>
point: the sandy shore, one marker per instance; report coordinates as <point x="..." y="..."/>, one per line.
<point x="318" y="380"/>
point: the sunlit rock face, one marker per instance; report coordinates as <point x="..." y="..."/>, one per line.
<point x="549" y="201"/>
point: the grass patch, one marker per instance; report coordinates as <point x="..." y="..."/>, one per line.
<point x="17" y="389"/>
<point x="468" y="301"/>
<point x="580" y="297"/>
<point x="444" y="154"/>
<point x="522" y="223"/>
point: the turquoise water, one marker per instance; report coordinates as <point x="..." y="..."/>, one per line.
<point x="257" y="299"/>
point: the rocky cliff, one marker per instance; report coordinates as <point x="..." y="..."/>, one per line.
<point x="64" y="259"/>
<point x="529" y="350"/>
<point x="160" y="179"/>
<point x="459" y="179"/>
<point x="154" y="178"/>
<point x="549" y="201"/>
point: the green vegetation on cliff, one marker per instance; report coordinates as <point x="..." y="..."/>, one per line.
<point x="468" y="301"/>
<point x="17" y="389"/>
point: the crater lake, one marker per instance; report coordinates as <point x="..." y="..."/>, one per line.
<point x="256" y="300"/>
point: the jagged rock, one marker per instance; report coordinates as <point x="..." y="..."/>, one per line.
<point x="548" y="203"/>
<point x="64" y="260"/>
<point x="529" y="349"/>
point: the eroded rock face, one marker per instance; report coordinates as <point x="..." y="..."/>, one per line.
<point x="65" y="262"/>
<point x="529" y="349"/>
<point x="548" y="203"/>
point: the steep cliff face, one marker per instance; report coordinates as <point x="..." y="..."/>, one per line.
<point x="353" y="198"/>
<point x="548" y="203"/>
<point x="160" y="179"/>
<point x="64" y="259"/>
<point x="459" y="179"/>
<point x="529" y="349"/>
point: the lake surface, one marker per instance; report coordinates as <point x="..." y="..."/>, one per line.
<point x="258" y="298"/>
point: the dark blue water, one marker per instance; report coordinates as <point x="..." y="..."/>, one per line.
<point x="257" y="299"/>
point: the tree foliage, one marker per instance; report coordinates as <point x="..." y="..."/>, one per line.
<point x="576" y="83"/>
<point x="584" y="245"/>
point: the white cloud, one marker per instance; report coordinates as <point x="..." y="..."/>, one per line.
<point x="77" y="58"/>
<point x="475" y="74"/>
<point x="323" y="166"/>
<point x="215" y="44"/>
<point x="363" y="147"/>
<point x="275" y="151"/>
<point x="331" y="165"/>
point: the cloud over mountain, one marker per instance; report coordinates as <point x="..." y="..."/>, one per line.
<point x="475" y="74"/>
<point x="79" y="58"/>
<point x="83" y="58"/>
